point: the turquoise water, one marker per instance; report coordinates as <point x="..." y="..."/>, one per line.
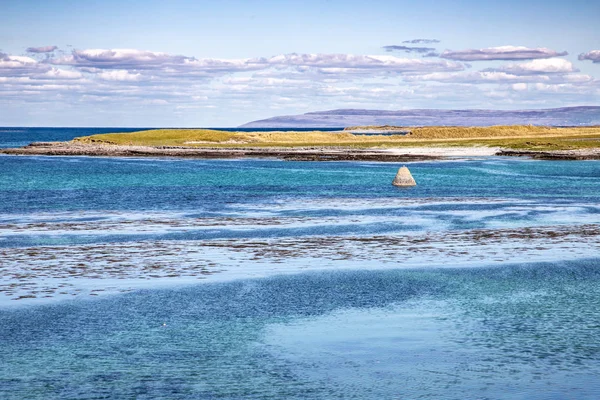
<point x="524" y="330"/>
<point x="341" y="198"/>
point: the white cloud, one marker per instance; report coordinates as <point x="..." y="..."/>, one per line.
<point x="141" y="60"/>
<point x="56" y="73"/>
<point x="119" y="75"/>
<point x="547" y="66"/>
<point x="501" y="53"/>
<point x="18" y="60"/>
<point x="577" y="78"/>
<point x="180" y="66"/>
<point x="346" y="63"/>
<point x="20" y="66"/>
<point x="468" y="77"/>
<point x="519" y="87"/>
<point x="593" y="56"/>
<point x="499" y="77"/>
<point x="118" y="58"/>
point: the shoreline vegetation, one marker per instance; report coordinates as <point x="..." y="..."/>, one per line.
<point x="360" y="143"/>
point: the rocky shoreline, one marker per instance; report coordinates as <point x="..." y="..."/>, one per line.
<point x="289" y="154"/>
<point x="588" y="154"/>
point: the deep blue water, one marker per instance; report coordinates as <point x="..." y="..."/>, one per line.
<point x="18" y="137"/>
<point x="521" y="331"/>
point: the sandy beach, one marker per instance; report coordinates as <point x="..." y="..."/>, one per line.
<point x="447" y="151"/>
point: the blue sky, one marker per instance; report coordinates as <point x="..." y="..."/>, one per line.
<point x="223" y="63"/>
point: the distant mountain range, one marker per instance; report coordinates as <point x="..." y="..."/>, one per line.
<point x="566" y="116"/>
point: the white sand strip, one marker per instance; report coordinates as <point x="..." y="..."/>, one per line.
<point x="446" y="151"/>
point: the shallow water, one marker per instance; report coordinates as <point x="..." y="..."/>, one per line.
<point x="524" y="331"/>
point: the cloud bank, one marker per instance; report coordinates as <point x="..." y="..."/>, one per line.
<point x="130" y="81"/>
<point x="119" y="58"/>
<point x="503" y="53"/>
<point x="155" y="63"/>
<point x="348" y="63"/>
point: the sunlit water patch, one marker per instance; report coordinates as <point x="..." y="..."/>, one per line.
<point x="40" y="273"/>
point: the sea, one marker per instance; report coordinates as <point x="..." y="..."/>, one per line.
<point x="165" y="278"/>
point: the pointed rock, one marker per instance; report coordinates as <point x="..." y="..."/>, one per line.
<point x="404" y="178"/>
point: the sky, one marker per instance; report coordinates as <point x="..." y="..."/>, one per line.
<point x="224" y="63"/>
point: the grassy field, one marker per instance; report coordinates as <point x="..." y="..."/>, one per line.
<point x="513" y="137"/>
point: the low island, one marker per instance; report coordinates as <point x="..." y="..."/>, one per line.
<point x="365" y="143"/>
